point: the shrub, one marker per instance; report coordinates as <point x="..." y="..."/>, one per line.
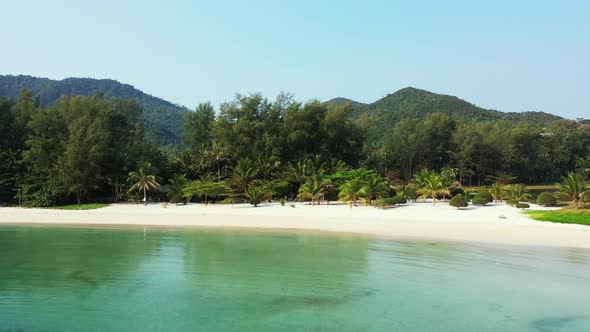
<point x="512" y="202"/>
<point x="399" y="199"/>
<point x="457" y="191"/>
<point x="458" y="201"/>
<point x="546" y="199"/>
<point x="522" y="206"/>
<point x="389" y="202"/>
<point x="232" y="200"/>
<point x="282" y="201"/>
<point x="480" y="200"/>
<point x="487" y="195"/>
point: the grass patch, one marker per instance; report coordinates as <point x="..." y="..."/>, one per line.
<point x="562" y="216"/>
<point x="91" y="206"/>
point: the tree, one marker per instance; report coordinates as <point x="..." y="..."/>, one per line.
<point x="351" y="190"/>
<point x="431" y="185"/>
<point x="373" y="187"/>
<point x="198" y="127"/>
<point x="517" y="192"/>
<point x="143" y="181"/>
<point x="206" y="188"/>
<point x="176" y="187"/>
<point x="497" y="191"/>
<point x="575" y="187"/>
<point x="243" y="175"/>
<point x="314" y="189"/>
<point x="255" y="194"/>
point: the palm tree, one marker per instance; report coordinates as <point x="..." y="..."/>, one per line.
<point x="351" y="190"/>
<point x="314" y="189"/>
<point x="244" y="175"/>
<point x="374" y="186"/>
<point x="267" y="166"/>
<point x="432" y="185"/>
<point x="575" y="187"/>
<point x="211" y="157"/>
<point x="175" y="187"/>
<point x="518" y="192"/>
<point x="142" y="181"/>
<point x="255" y="194"/>
<point x="421" y="177"/>
<point x="406" y="190"/>
<point x="497" y="191"/>
<point x="298" y="171"/>
<point x="449" y="178"/>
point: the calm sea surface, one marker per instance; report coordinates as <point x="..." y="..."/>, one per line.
<point x="76" y="279"/>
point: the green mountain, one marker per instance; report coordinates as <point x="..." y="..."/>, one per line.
<point x="416" y="103"/>
<point x="162" y="119"/>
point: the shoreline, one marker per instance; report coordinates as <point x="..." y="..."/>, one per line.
<point x="413" y="221"/>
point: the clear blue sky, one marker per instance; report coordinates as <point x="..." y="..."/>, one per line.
<point x="508" y="55"/>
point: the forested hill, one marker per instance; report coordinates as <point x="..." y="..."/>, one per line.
<point x="416" y="103"/>
<point x="162" y="119"/>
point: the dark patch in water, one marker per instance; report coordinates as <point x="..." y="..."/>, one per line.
<point x="79" y="276"/>
<point x="12" y="329"/>
<point x="495" y="307"/>
<point x="322" y="300"/>
<point x="553" y="324"/>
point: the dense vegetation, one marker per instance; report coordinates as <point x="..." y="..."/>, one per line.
<point x="163" y="120"/>
<point x="95" y="148"/>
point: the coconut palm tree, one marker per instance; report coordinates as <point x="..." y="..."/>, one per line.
<point x="143" y="181"/>
<point x="518" y="192"/>
<point x="351" y="190"/>
<point x="175" y="187"/>
<point x="255" y="194"/>
<point x="373" y="187"/>
<point x="575" y="187"/>
<point x="432" y="185"/>
<point x="244" y="175"/>
<point x="407" y="191"/>
<point x="314" y="189"/>
<point x="497" y="190"/>
<point x="298" y="171"/>
<point x="267" y="166"/>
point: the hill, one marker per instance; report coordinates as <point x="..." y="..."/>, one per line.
<point x="416" y="103"/>
<point x="162" y="119"/>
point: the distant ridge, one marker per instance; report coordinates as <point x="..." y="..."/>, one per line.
<point x="163" y="119"/>
<point x="416" y="103"/>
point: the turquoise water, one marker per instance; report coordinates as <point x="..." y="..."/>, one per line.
<point x="61" y="279"/>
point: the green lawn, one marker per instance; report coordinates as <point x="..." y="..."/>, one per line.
<point x="562" y="216"/>
<point x="91" y="206"/>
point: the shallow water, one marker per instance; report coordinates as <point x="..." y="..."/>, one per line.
<point x="74" y="279"/>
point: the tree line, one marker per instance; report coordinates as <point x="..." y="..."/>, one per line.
<point x="95" y="148"/>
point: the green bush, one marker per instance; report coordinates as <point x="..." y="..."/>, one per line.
<point x="399" y="199"/>
<point x="458" y="201"/>
<point x="522" y="206"/>
<point x="546" y="199"/>
<point x="282" y="201"/>
<point x="512" y="202"/>
<point x="389" y="202"/>
<point x="479" y="200"/>
<point x="457" y="191"/>
<point x="487" y="195"/>
<point x="232" y="200"/>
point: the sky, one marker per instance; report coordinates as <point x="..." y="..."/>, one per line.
<point x="519" y="55"/>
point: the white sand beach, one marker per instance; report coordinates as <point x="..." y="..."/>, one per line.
<point x="496" y="223"/>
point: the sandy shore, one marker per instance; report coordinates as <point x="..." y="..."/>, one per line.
<point x="497" y="223"/>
